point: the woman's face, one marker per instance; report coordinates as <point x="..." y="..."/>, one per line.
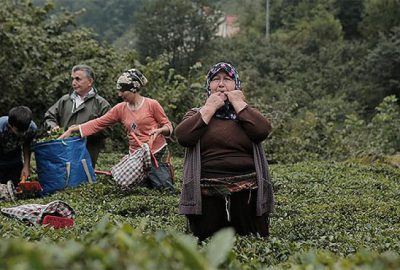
<point x="127" y="96"/>
<point x="222" y="83"/>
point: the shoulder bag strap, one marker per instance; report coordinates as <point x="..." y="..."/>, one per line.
<point x="150" y="143"/>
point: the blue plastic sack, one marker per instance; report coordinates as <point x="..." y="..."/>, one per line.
<point x="61" y="164"/>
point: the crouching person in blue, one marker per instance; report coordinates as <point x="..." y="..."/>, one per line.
<point x="17" y="130"/>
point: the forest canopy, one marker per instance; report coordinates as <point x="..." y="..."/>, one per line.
<point x="326" y="73"/>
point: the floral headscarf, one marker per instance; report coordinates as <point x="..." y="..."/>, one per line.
<point x="228" y="68"/>
<point x="227" y="111"/>
<point x="131" y="80"/>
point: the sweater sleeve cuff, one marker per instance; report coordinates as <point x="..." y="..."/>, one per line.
<point x="171" y="129"/>
<point x="241" y="107"/>
<point x="80" y="131"/>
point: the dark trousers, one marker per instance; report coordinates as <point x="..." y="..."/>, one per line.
<point x="11" y="172"/>
<point x="242" y="213"/>
<point x="94" y="151"/>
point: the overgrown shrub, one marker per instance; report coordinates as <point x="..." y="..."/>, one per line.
<point x="335" y="131"/>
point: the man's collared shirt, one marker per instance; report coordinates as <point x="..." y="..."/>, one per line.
<point x="78" y="100"/>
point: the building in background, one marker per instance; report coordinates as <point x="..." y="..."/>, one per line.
<point x="228" y="26"/>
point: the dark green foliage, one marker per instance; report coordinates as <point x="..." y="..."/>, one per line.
<point x="317" y="80"/>
<point x="381" y="68"/>
<point x="38" y="52"/>
<point x="325" y="260"/>
<point x="349" y="14"/>
<point x="117" y="247"/>
<point x="179" y="27"/>
<point x="380" y="16"/>
<point x="335" y="132"/>
<point x="111" y="19"/>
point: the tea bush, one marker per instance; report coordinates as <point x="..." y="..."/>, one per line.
<point x="338" y="215"/>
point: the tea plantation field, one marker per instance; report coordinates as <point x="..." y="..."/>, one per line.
<point x="328" y="215"/>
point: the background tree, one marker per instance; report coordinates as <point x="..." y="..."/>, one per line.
<point x="179" y="27"/>
<point x="380" y="16"/>
<point x="381" y="69"/>
<point x="350" y="13"/>
<point x="109" y="19"/>
<point x="38" y="52"/>
<point x="321" y="83"/>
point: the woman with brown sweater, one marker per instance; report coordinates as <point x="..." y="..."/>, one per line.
<point x="226" y="179"/>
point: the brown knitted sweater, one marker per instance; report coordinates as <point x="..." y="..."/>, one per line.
<point x="223" y="148"/>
